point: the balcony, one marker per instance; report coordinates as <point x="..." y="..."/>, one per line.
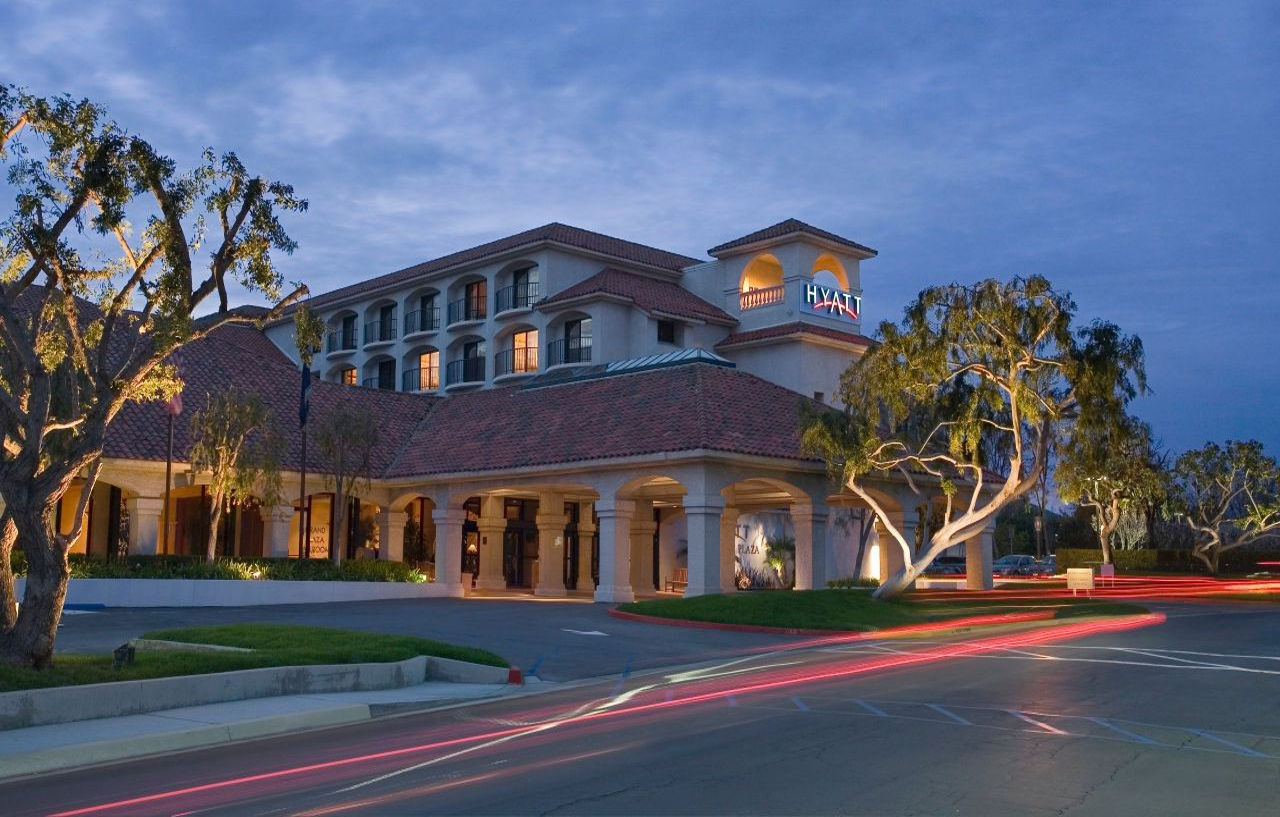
<point x="421" y="379"/>
<point x="466" y="309"/>
<point x="569" y="350"/>
<point x="377" y="382"/>
<point x="379" y="331"/>
<point x="516" y="361"/>
<point x="421" y="320"/>
<point x="516" y="296"/>
<point x="340" y="342"/>
<point x="756" y="298"/>
<point x="467" y="370"/>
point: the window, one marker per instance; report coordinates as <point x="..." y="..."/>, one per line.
<point x="667" y="332"/>
<point x="475" y="296"/>
<point x="348" y="376"/>
<point x="574" y="346"/>
<point x="387" y="375"/>
<point x="525" y="346"/>
<point x="426" y="377"/>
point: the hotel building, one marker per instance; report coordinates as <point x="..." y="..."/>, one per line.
<point x="558" y="410"/>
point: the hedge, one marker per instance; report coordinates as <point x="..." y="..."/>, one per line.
<point x="1173" y="561"/>
<point x="195" y="567"/>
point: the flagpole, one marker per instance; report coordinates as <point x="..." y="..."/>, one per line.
<point x="168" y="484"/>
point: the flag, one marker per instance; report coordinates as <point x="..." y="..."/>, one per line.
<point x="304" y="401"/>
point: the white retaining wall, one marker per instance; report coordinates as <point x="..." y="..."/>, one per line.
<point x="234" y="592"/>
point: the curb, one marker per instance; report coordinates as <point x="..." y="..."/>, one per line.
<point x="88" y="754"/>
<point x="967" y="622"/>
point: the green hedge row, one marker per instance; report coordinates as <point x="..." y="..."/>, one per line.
<point x="1173" y="561"/>
<point x="194" y="567"/>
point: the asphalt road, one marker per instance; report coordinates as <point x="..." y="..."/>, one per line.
<point x="554" y="640"/>
<point x="1177" y="718"/>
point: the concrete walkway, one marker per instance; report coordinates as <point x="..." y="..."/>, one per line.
<point x="54" y="747"/>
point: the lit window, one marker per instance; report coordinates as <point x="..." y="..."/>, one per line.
<point x="524" y="346"/>
<point x="428" y="371"/>
<point x="349" y="376"/>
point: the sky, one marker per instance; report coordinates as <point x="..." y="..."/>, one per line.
<point x="1130" y="152"/>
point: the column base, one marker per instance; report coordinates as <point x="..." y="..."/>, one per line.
<point x="453" y="591"/>
<point x="614" y="594"/>
<point x="550" y="591"/>
<point x="483" y="583"/>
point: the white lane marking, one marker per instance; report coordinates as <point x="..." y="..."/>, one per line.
<point x="1134" y="735"/>
<point x="1041" y="724"/>
<point x="799" y="704"/>
<point x="953" y="716"/>
<point x="874" y="710"/>
<point x="583" y="632"/>
<point x="1241" y="749"/>
<point x="1158" y="654"/>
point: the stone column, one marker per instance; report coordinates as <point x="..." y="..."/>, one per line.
<point x="492" y="525"/>
<point x="449" y="549"/>
<point x="615" y="550"/>
<point x="144" y="524"/>
<point x="550" y="520"/>
<point x="728" y="549"/>
<point x="275" y="530"/>
<point x="977" y="560"/>
<point x="811" y="546"/>
<point x="890" y="552"/>
<point x="642" y="529"/>
<point x="586" y="530"/>
<point x="391" y="534"/>
<point x="703" y="514"/>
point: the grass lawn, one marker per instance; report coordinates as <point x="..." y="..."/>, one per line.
<point x="274" y="645"/>
<point x="853" y="610"/>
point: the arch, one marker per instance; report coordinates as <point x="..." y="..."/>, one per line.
<point x="336" y="372"/>
<point x="762" y="272"/>
<point x="568" y="338"/>
<point x="374" y="309"/>
<point x="830" y="264"/>
<point x="335" y="320"/>
<point x="508" y="271"/>
<point x="377" y="374"/>
<point x="422" y="310"/>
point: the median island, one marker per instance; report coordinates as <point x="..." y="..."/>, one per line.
<point x="255" y="646"/>
<point x="855" y="610"/>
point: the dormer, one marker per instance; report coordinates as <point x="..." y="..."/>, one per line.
<point x="788" y="272"/>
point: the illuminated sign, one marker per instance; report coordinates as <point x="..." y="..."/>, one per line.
<point x="825" y="295"/>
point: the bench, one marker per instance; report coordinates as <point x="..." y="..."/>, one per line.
<point x="679" y="580"/>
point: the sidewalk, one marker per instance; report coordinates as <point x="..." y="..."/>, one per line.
<point x="54" y="747"/>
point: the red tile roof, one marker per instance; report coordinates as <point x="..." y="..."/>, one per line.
<point x="650" y="294"/>
<point x="548" y="233"/>
<point x="243" y="357"/>
<point x="785" y="228"/>
<point x="796" y="328"/>
<point x="681" y="408"/>
<point x="687" y="407"/>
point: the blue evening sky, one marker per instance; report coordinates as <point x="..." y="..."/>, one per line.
<point x="1128" y="151"/>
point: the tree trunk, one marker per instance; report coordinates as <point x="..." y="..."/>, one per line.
<point x="215" y="518"/>
<point x="338" y="537"/>
<point x="30" y="641"/>
<point x="898" y="583"/>
<point x="8" y="594"/>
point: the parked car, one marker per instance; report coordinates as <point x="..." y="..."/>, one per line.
<point x="1015" y="564"/>
<point x="946" y="566"/>
<point x="1048" y="566"/>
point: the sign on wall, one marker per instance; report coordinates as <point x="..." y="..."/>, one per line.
<point x="825" y="296"/>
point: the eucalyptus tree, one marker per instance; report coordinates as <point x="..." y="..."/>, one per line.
<point x="1112" y="469"/>
<point x="237" y="445"/>
<point x="963" y="398"/>
<point x="109" y="253"/>
<point x="1229" y="496"/>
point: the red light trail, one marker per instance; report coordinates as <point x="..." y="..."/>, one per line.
<point x="633" y="703"/>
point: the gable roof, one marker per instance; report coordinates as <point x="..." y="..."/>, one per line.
<point x="554" y="232"/>
<point x="794" y="329"/>
<point x="785" y="228"/>
<point x="650" y="294"/>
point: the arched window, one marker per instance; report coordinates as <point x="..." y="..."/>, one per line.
<point x="761" y="283"/>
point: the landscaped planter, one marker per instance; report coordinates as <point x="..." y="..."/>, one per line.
<point x="235" y="593"/>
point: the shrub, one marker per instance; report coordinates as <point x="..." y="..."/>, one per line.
<point x="195" y="567"/>
<point x="849" y="583"/>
